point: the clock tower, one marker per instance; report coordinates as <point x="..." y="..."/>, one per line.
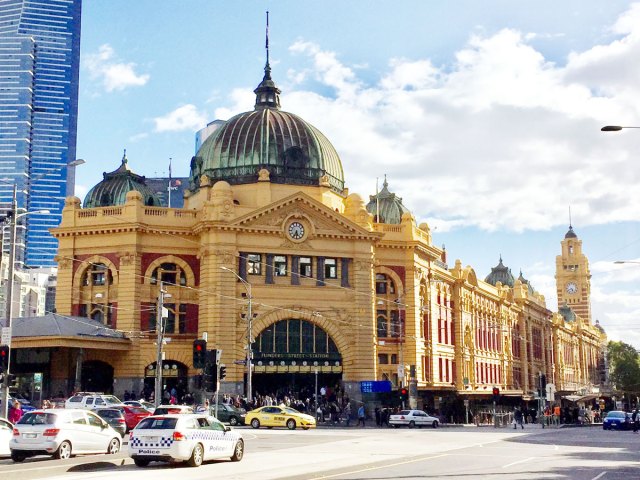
<point x="573" y="279"/>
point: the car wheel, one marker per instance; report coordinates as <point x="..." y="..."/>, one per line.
<point x="412" y="424"/>
<point x="435" y="424"/>
<point x="291" y="424"/>
<point x="114" y="446"/>
<point x="140" y="462"/>
<point x="196" y="456"/>
<point x="233" y="421"/>
<point x="255" y="423"/>
<point x="238" y="452"/>
<point x="63" y="451"/>
<point x="18" y="456"/>
<point x="396" y="426"/>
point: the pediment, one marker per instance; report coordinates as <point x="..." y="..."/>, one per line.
<point x="322" y="220"/>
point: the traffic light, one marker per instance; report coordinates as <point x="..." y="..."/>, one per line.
<point x="223" y="372"/>
<point x="210" y="372"/>
<point x="496" y="394"/>
<point x="199" y="353"/>
<point x="404" y="394"/>
<point x="4" y="358"/>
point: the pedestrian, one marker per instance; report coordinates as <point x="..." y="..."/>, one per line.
<point x="347" y="413"/>
<point x="378" y="417"/>
<point x="518" y="418"/>
<point x="319" y="414"/>
<point x="15" y="412"/>
<point x="361" y="415"/>
<point x="635" y="418"/>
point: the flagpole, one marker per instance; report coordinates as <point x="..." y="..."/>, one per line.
<point x="169" y="186"/>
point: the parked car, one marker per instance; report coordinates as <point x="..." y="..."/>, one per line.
<point x="133" y="415"/>
<point x="229" y="414"/>
<point x="6" y="431"/>
<point x="62" y="433"/>
<point x="170" y="409"/>
<point x="115" y="418"/>
<point x="412" y="419"/>
<point x="91" y="402"/>
<point x="141" y="404"/>
<point x="617" y="420"/>
<point x="193" y="438"/>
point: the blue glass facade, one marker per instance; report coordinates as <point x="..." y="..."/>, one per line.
<point x="39" y="70"/>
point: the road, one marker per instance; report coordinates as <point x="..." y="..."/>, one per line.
<point x="369" y="453"/>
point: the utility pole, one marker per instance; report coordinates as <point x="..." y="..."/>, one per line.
<point x="249" y="351"/>
<point x="9" y="297"/>
<point x="160" y="333"/>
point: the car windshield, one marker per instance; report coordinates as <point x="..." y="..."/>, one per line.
<point x="110" y="399"/>
<point x="616" y="415"/>
<point x="292" y="411"/>
<point x="37" y="418"/>
<point x="157" y="424"/>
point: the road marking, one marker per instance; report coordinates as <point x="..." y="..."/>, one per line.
<point x="369" y="469"/>
<point x="599" y="476"/>
<point x="519" y="461"/>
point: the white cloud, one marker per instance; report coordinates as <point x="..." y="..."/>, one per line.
<point x="186" y="117"/>
<point x="113" y="74"/>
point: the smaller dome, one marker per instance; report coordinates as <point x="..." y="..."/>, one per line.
<point x="527" y="283"/>
<point x="571" y="233"/>
<point x="501" y="274"/>
<point x="387" y="205"/>
<point x="115" y="186"/>
<point x="598" y="326"/>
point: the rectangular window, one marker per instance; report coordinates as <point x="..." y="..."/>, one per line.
<point x="383" y="359"/>
<point x="254" y="264"/>
<point x="280" y="265"/>
<point x="394" y="359"/>
<point x="383" y="331"/>
<point x="330" y="268"/>
<point x="82" y="311"/>
<point x="305" y="267"/>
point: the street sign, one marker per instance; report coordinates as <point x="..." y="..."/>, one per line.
<point x="6" y="336"/>
<point x="377" y="386"/>
<point x="240" y="362"/>
<point x="400" y="371"/>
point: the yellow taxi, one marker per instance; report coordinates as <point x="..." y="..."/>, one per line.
<point x="275" y="416"/>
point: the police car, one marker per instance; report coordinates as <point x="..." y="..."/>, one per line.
<point x="191" y="438"/>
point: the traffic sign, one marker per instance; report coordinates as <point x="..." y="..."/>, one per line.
<point x="6" y="336"/>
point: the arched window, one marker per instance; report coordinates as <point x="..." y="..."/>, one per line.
<point x="169" y="273"/>
<point x="98" y="275"/>
<point x="388" y="304"/>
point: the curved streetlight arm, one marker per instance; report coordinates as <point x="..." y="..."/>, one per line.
<point x="249" y="358"/>
<point x="613" y="128"/>
<point x="620" y="262"/>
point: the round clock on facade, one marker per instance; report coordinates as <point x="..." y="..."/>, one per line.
<point x="571" y="288"/>
<point x="296" y="230"/>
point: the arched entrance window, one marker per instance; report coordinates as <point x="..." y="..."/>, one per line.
<point x="389" y="322"/>
<point x="174" y="375"/>
<point x="97" y="376"/>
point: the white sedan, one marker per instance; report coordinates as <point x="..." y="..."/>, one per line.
<point x="6" y="432"/>
<point x="412" y="419"/>
<point x="193" y="438"/>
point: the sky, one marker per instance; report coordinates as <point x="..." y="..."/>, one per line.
<point x="484" y="116"/>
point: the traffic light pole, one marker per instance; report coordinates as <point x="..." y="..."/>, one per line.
<point x="160" y="333"/>
<point x="9" y="298"/>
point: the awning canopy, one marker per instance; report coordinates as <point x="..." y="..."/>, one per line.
<point x="581" y="398"/>
<point x="53" y="330"/>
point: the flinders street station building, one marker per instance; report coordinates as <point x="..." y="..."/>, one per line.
<point x="345" y="290"/>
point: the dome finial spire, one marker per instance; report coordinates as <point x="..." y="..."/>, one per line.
<point x="267" y="66"/>
<point x="267" y="94"/>
<point x="124" y="156"/>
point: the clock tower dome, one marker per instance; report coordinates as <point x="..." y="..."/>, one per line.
<point x="573" y="279"/>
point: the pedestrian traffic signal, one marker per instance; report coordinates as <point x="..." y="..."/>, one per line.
<point x="199" y="353"/>
<point x="4" y="357"/>
<point x="404" y="394"/>
<point x="496" y="391"/>
<point x="223" y="372"/>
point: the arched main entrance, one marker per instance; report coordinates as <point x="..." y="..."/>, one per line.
<point x="291" y="355"/>
<point x="174" y="375"/>
<point x="97" y="376"/>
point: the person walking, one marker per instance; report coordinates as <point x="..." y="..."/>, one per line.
<point x="15" y="412"/>
<point x="361" y="415"/>
<point x="518" y="418"/>
<point x="635" y="418"/>
<point x="347" y="413"/>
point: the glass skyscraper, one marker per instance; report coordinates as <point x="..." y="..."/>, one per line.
<point x="39" y="70"/>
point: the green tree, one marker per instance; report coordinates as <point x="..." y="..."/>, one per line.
<point x="624" y="367"/>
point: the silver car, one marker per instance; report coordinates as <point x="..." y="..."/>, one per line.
<point x="61" y="433"/>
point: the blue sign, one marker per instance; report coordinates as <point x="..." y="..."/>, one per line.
<point x="375" y="386"/>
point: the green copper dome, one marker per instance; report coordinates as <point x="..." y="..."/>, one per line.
<point x="113" y="188"/>
<point x="500" y="273"/>
<point x="292" y="150"/>
<point x="387" y="205"/>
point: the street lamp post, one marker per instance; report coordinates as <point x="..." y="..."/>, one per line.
<point x="247" y="285"/>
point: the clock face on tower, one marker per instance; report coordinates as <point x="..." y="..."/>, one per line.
<point x="296" y="230"/>
<point x="571" y="288"/>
